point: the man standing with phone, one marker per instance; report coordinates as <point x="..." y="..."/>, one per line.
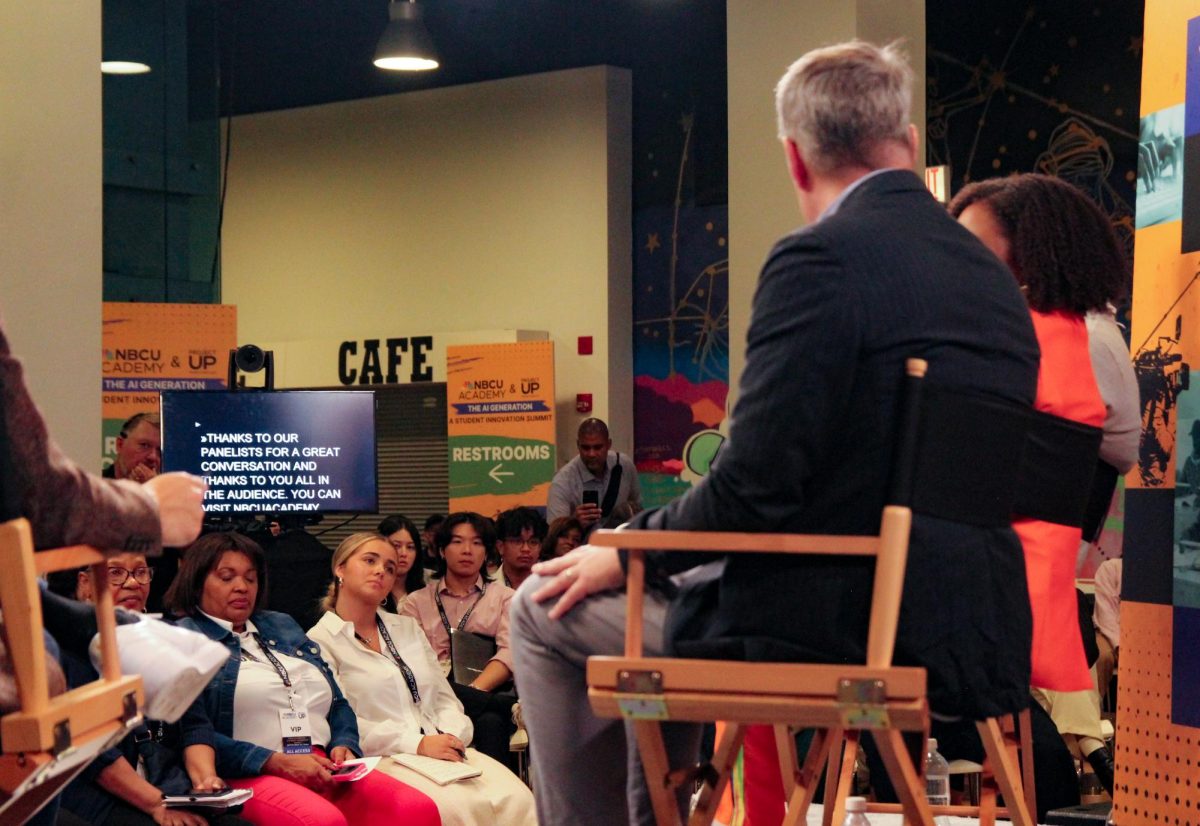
<point x="599" y="487"/>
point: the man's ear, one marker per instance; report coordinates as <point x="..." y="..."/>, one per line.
<point x="797" y="166"/>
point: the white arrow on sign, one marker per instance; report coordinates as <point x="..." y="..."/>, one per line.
<point x="496" y="473"/>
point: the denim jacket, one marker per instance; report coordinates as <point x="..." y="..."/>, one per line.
<point x="237" y="758"/>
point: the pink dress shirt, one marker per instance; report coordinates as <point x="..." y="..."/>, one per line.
<point x="489" y="617"/>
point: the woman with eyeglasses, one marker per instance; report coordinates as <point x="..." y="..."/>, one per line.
<point x="125" y="785"/>
<point x="401" y="532"/>
<point x="129" y="577"/>
<point x="273" y="719"/>
<point x="404" y="704"/>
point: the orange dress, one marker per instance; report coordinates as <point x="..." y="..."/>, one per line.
<point x="1066" y="388"/>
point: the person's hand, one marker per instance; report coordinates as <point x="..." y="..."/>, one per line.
<point x="340" y="754"/>
<point x="442" y="747"/>
<point x="142" y="474"/>
<point x="211" y="783"/>
<point x="587" y="514"/>
<point x="583" y="571"/>
<point x="180" y="500"/>
<point x="175" y="817"/>
<point x="311" y="770"/>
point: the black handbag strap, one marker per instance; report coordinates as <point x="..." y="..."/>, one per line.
<point x="614" y="487"/>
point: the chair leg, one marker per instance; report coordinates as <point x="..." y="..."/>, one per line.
<point x="810" y="773"/>
<point x="1025" y="733"/>
<point x="789" y="761"/>
<point x="842" y="781"/>
<point x="833" y="769"/>
<point x="723" y="759"/>
<point x="905" y="776"/>
<point x="654" y="762"/>
<point x="1007" y="774"/>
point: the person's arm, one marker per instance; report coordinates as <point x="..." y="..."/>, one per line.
<point x="64" y="504"/>
<point x="558" y="502"/>
<point x="447" y="708"/>
<point x="200" y="762"/>
<point x="499" y="669"/>
<point x="802" y="345"/>
<point x="802" y="348"/>
<point x="1118" y="388"/>
<point x="120" y="780"/>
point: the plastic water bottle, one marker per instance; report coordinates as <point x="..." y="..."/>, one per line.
<point x="937" y="776"/>
<point x="856" y="812"/>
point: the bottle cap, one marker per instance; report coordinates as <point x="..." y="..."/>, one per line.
<point x="856" y="804"/>
<point x="933" y="744"/>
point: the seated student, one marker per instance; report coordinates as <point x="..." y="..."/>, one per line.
<point x="236" y="727"/>
<point x="564" y="535"/>
<point x="126" y="784"/>
<point x="521" y="532"/>
<point x="432" y="523"/>
<point x="403" y="535"/>
<point x="392" y="679"/>
<point x="463" y="597"/>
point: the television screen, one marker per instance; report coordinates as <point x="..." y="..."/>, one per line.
<point x="286" y="451"/>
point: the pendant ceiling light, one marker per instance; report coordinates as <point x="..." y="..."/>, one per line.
<point x="405" y="45"/>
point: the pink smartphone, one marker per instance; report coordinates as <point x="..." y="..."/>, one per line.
<point x="352" y="771"/>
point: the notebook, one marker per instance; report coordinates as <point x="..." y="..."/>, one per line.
<point x="439" y="771"/>
<point x="469" y="655"/>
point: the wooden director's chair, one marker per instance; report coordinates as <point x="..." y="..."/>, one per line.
<point x="838" y="701"/>
<point x="51" y="739"/>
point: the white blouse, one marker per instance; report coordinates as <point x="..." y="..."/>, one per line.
<point x="388" y="719"/>
<point x="260" y="694"/>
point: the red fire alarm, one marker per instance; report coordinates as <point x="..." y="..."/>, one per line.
<point x="583" y="401"/>
<point x="585" y="345"/>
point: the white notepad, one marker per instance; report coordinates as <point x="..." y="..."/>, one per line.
<point x="439" y="771"/>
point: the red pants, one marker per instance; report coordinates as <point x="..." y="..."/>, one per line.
<point x="762" y="784"/>
<point x="279" y="802"/>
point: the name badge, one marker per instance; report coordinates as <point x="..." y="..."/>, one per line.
<point x="294" y="728"/>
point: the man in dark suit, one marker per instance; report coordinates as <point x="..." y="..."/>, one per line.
<point x="880" y="274"/>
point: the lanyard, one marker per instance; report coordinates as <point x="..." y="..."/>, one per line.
<point x="279" y="669"/>
<point x="462" y="623"/>
<point x="409" y="677"/>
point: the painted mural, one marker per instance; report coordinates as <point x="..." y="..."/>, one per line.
<point x="1054" y="88"/>
<point x="681" y="336"/>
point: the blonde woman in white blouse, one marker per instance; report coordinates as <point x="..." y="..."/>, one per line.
<point x="390" y="675"/>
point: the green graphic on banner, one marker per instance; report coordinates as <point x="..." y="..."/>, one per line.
<point x="497" y="465"/>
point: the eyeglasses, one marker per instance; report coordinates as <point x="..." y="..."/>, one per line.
<point x="119" y="576"/>
<point x="518" y="542"/>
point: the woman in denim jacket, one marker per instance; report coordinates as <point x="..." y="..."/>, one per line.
<point x="273" y="718"/>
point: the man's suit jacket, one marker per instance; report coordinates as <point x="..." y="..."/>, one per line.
<point x="839" y="307"/>
<point x="63" y="503"/>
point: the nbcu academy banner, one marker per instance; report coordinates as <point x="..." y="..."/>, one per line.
<point x="500" y="425"/>
<point x="148" y="348"/>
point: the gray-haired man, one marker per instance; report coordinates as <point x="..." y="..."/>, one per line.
<point x="880" y="274"/>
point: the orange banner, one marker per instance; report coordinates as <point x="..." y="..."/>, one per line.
<point x="148" y="348"/>
<point x="500" y="425"/>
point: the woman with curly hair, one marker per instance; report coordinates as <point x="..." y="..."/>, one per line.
<point x="1062" y="250"/>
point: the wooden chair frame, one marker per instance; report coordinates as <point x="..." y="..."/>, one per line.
<point x="51" y="739"/>
<point x="838" y="701"/>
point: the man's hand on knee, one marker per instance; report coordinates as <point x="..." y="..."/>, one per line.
<point x="585" y="570"/>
